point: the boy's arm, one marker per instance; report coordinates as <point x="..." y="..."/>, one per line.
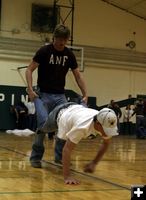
<point x="91" y="166"/>
<point x="29" y="79"/>
<point x="81" y="83"/>
<point x="66" y="157"/>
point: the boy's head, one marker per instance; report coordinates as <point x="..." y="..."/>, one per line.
<point x="61" y="31"/>
<point x="108" y="120"/>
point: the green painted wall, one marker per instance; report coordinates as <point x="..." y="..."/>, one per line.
<point x="10" y="95"/>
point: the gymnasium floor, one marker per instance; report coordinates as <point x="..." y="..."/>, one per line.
<point x="122" y="166"/>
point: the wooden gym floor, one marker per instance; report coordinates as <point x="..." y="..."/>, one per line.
<point x="122" y="166"/>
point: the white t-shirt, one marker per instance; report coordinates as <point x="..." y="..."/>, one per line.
<point x="128" y="115"/>
<point x="76" y="123"/>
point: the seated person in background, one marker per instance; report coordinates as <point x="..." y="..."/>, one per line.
<point x="21" y="114"/>
<point x="75" y="122"/>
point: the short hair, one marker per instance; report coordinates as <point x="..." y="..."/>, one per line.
<point x="61" y="31"/>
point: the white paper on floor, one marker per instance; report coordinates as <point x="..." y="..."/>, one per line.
<point x="18" y="132"/>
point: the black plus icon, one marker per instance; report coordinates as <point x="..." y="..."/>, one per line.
<point x="138" y="192"/>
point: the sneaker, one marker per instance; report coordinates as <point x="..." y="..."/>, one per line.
<point x="36" y="164"/>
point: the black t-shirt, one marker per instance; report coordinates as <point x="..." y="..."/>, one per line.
<point x="53" y="67"/>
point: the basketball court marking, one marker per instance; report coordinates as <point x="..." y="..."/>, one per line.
<point x="77" y="172"/>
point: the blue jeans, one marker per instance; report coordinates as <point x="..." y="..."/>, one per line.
<point x="44" y="105"/>
<point x="50" y="125"/>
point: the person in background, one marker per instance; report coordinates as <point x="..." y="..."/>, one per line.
<point x="127" y="119"/>
<point x="52" y="62"/>
<point x="21" y="114"/>
<point x="144" y="108"/>
<point x="115" y="107"/>
<point x="139" y="112"/>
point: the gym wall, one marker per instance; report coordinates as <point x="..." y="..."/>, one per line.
<point x="96" y="24"/>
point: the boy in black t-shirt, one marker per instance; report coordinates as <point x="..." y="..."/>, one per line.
<point x="53" y="62"/>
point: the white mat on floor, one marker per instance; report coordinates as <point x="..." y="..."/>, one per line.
<point x="25" y="132"/>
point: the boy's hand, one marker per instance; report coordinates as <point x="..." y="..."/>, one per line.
<point x="71" y="181"/>
<point x="90" y="167"/>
